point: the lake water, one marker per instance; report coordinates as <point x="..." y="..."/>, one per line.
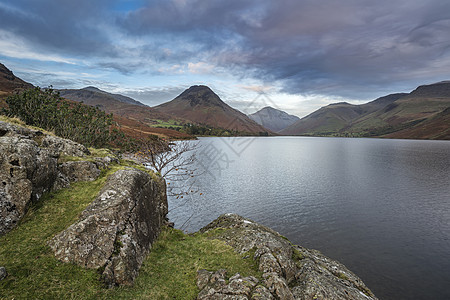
<point x="381" y="207"/>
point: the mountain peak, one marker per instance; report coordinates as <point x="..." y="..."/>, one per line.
<point x="201" y="95"/>
<point x="273" y="119"/>
<point x="199" y="104"/>
<point x="92" y="88"/>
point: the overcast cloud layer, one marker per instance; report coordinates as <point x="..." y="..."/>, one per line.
<point x="351" y="49"/>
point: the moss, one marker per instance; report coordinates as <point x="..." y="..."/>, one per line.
<point x="342" y="276"/>
<point x="297" y="255"/>
<point x="103" y="152"/>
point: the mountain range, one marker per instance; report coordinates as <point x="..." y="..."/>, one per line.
<point x="273" y="119"/>
<point x="422" y="114"/>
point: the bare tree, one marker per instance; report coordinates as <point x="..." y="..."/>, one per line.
<point x="174" y="161"/>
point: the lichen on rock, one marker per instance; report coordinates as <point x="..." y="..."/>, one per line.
<point x="29" y="168"/>
<point x="289" y="271"/>
<point x="116" y="231"/>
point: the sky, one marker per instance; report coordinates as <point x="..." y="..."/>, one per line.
<point x="294" y="55"/>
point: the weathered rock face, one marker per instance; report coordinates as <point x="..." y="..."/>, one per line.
<point x="67" y="147"/>
<point x="213" y="285"/>
<point x="289" y="271"/>
<point x="28" y="168"/>
<point x="117" y="230"/>
<point x="26" y="172"/>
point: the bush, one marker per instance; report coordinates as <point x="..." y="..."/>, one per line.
<point x="45" y="108"/>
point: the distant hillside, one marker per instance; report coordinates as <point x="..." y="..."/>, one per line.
<point x="402" y="114"/>
<point x="199" y="104"/>
<point x="10" y="83"/>
<point x="273" y="119"/>
<point x="335" y="117"/>
<point x="94" y="96"/>
<point x="134" y="117"/>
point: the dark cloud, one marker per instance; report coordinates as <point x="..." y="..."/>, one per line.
<point x="64" y="26"/>
<point x="348" y="48"/>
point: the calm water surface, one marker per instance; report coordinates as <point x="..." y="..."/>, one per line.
<point x="381" y="207"/>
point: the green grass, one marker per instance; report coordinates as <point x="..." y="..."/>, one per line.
<point x="33" y="271"/>
<point x="168" y="272"/>
<point x="166" y="124"/>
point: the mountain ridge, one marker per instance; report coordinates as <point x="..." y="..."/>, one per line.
<point x="199" y="104"/>
<point x="382" y="116"/>
<point x="273" y="119"/>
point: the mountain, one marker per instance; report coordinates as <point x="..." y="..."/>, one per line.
<point x="94" y="96"/>
<point x="273" y="119"/>
<point x="134" y="117"/>
<point x="419" y="114"/>
<point x="199" y="104"/>
<point x="335" y="117"/>
<point x="10" y="83"/>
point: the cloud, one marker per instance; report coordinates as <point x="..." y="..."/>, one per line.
<point x="356" y="49"/>
<point x="200" y="68"/>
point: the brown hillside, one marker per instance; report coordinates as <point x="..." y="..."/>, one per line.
<point x="199" y="104"/>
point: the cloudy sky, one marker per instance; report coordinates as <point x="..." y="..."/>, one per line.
<point x="302" y="54"/>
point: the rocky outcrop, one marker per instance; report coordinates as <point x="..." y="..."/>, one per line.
<point x="288" y="271"/>
<point x="63" y="146"/>
<point x="29" y="167"/>
<point x="117" y="230"/>
<point x="26" y="172"/>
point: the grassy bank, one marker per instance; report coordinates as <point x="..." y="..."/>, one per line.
<point x="168" y="272"/>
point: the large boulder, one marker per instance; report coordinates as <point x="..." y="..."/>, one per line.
<point x="26" y="172"/>
<point x="28" y="168"/>
<point x="117" y="230"/>
<point x="288" y="271"/>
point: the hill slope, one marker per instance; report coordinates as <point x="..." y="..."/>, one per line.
<point x="399" y="113"/>
<point x="199" y="104"/>
<point x="273" y="119"/>
<point x="9" y="82"/>
<point x="135" y="119"/>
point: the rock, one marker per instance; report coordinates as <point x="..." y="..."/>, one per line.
<point x="213" y="285"/>
<point x="26" y="172"/>
<point x="28" y="168"/>
<point x="289" y="271"/>
<point x="117" y="229"/>
<point x="277" y="286"/>
<point x="104" y="162"/>
<point x="79" y="170"/>
<point x="67" y="147"/>
<point x="3" y="273"/>
<point x="8" y="129"/>
<point x="261" y="293"/>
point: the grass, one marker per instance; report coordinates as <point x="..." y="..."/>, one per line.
<point x="169" y="271"/>
<point x="167" y="124"/>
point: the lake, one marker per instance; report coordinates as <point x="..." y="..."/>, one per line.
<point x="380" y="206"/>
